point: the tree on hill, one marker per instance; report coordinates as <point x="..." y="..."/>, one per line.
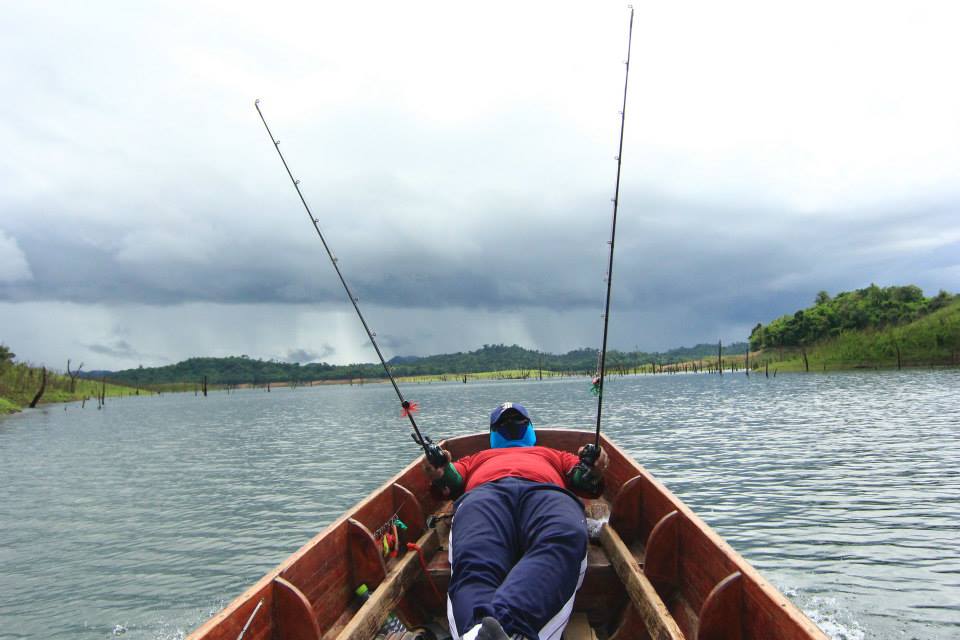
<point x="872" y="307"/>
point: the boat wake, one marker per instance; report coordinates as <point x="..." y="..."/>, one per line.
<point x="828" y="614"/>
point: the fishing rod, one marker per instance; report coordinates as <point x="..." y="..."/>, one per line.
<point x="433" y="452"/>
<point x="592" y="451"/>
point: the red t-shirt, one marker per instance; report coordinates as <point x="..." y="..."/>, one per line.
<point x="540" y="464"/>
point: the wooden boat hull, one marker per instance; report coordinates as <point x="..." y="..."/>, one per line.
<point x="656" y="570"/>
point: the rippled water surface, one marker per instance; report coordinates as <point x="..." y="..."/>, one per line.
<point x="145" y="518"/>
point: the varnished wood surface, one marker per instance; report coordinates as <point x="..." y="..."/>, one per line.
<point x="325" y="569"/>
<point x="375" y="611"/>
<point x="657" y="619"/>
<point x="320" y="568"/>
<point x="706" y="559"/>
<point x="662" y="555"/>
<point x="721" y="615"/>
<point x="292" y="614"/>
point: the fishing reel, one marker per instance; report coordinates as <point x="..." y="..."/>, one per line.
<point x="434" y="453"/>
<point x="589" y="455"/>
<point x="586" y="471"/>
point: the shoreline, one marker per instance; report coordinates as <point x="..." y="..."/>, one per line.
<point x="732" y="365"/>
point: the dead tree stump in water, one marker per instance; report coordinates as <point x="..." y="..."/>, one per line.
<point x="43" y="387"/>
<point x="73" y="375"/>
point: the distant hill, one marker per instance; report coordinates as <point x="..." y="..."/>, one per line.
<point x="870" y="308"/>
<point x="871" y="327"/>
<point x="497" y="357"/>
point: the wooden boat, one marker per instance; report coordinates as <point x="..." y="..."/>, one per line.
<point x="655" y="571"/>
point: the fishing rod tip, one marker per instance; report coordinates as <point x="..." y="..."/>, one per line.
<point x="256" y="102"/>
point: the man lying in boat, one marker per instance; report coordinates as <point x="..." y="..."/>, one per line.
<point x="518" y="541"/>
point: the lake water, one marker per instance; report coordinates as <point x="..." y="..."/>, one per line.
<point x="144" y="519"/>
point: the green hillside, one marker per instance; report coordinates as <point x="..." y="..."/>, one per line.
<point x="872" y="327"/>
<point x="20" y="383"/>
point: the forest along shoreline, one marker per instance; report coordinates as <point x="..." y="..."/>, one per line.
<point x="872" y="328"/>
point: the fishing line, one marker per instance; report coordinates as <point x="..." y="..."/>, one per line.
<point x="590" y="454"/>
<point x="432" y="451"/>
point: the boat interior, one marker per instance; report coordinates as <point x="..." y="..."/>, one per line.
<point x="655" y="570"/>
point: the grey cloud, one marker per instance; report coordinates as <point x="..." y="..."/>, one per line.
<point x="13" y="263"/>
<point x="308" y="355"/>
<point x="392" y="341"/>
<point x="739" y="265"/>
<point x="117" y="349"/>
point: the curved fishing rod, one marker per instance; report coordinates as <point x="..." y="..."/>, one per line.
<point x="432" y="451"/>
<point x="592" y="451"/>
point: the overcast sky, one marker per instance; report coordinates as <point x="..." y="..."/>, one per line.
<point x="460" y="158"/>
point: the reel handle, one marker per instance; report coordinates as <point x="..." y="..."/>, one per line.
<point x="432" y="451"/>
<point x="589" y="454"/>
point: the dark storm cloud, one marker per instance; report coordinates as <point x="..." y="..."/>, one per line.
<point x="393" y="342"/>
<point x="738" y="264"/>
<point x="309" y="355"/>
<point x="116" y="349"/>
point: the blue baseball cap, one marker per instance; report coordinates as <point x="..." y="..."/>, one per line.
<point x="510" y="426"/>
<point x="505" y="407"/>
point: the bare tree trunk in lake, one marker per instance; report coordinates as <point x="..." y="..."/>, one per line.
<point x="43" y="387"/>
<point x="766" y="369"/>
<point x="73" y="375"/>
<point x="103" y="391"/>
<point x="897" y="347"/>
<point x="746" y="365"/>
<point x="720" y="357"/>
<point x="205" y="386"/>
<point x="806" y="363"/>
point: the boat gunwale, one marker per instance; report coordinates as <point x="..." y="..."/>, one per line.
<point x="748" y="570"/>
<point x="243" y="598"/>
<point x="778" y="601"/>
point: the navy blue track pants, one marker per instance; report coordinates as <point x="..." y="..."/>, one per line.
<point x="517" y="553"/>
